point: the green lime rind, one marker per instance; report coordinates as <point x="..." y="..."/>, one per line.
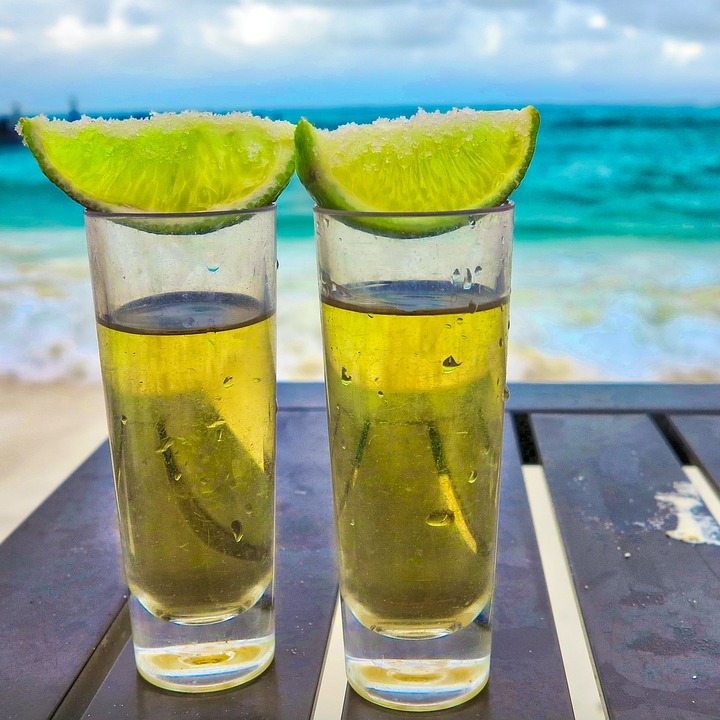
<point x="186" y="162"/>
<point x="432" y="162"/>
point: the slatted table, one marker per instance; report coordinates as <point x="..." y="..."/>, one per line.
<point x="599" y="613"/>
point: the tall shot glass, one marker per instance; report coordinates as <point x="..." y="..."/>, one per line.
<point x="415" y="342"/>
<point x="186" y="332"/>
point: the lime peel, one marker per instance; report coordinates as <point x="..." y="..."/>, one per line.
<point x="432" y="162"/>
<point x="167" y="163"/>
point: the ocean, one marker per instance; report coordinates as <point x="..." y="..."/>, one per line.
<point x="616" y="272"/>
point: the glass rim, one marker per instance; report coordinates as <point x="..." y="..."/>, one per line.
<point x="507" y="206"/>
<point x="180" y="215"/>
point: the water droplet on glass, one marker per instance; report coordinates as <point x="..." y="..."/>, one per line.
<point x="473" y="476"/>
<point x="370" y="315"/>
<point x="248" y="509"/>
<point x="346" y="379"/>
<point x="459" y="321"/>
<point x="381" y="393"/>
<point x="352" y="523"/>
<point x="178" y="477"/>
<point x="228" y="382"/>
<point x="188" y="322"/>
<point x="448" y="325"/>
<point x="473" y="221"/>
<point x="123" y="420"/>
<point x="213" y="268"/>
<point x="456" y="276"/>
<point x="450" y="363"/>
<point x="500" y="342"/>
<point x="478" y="270"/>
<point x="237" y="530"/>
<point x="506" y="393"/>
<point x="218" y="423"/>
<point x="166" y="446"/>
<point x="326" y="220"/>
<point x="468" y="279"/>
<point x="440" y="518"/>
<point x="277" y="264"/>
<point x="256" y="380"/>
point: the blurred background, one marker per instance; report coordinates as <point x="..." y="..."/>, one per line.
<point x="617" y="261"/>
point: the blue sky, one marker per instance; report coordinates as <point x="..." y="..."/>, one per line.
<point x="221" y="54"/>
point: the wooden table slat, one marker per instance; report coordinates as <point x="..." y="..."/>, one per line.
<point x="652" y="617"/>
<point x="527" y="679"/>
<point x="701" y="437"/>
<point x="305" y="592"/>
<point x="613" y="398"/>
<point x="61" y="585"/>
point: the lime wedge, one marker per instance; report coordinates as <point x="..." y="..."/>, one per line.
<point x="167" y="163"/>
<point x="431" y="162"/>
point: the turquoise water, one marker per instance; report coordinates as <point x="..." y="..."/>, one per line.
<point x="617" y="262"/>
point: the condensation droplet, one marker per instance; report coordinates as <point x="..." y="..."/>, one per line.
<point x="237" y="530"/>
<point x="381" y="393"/>
<point x="456" y="276"/>
<point x="345" y="378"/>
<point x="473" y="476"/>
<point x="468" y="279"/>
<point x="213" y="268"/>
<point x="506" y="393"/>
<point x="459" y="321"/>
<point x="450" y="363"/>
<point x="166" y="446"/>
<point x="123" y="420"/>
<point x="248" y="509"/>
<point x="352" y="523"/>
<point x="256" y="380"/>
<point x="370" y="315"/>
<point x="500" y="342"/>
<point x="218" y="423"/>
<point x="228" y="382"/>
<point x="478" y="269"/>
<point x="440" y="518"/>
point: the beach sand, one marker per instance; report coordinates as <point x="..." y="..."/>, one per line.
<point x="46" y="431"/>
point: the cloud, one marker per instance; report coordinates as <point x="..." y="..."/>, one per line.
<point x="371" y="49"/>
<point x="695" y="20"/>
<point x="71" y="33"/>
<point x="260" y="24"/>
<point x="682" y="52"/>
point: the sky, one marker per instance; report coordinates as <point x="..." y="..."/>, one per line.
<point x="124" y="55"/>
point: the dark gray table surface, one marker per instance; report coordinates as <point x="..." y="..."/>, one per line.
<point x="652" y="620"/>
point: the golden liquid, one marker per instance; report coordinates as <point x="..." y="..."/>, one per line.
<point x="191" y="414"/>
<point x="415" y="418"/>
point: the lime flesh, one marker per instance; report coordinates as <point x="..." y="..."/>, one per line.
<point x="432" y="162"/>
<point x="167" y="163"/>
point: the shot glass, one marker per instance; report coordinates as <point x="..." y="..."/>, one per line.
<point x="186" y="332"/>
<point x="415" y="343"/>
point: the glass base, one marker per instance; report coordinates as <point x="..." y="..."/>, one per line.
<point x="417" y="674"/>
<point x="203" y="657"/>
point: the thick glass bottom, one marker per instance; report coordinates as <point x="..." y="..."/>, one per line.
<point x="417" y="674"/>
<point x="196" y="658"/>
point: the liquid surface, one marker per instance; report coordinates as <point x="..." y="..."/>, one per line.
<point x="190" y="389"/>
<point x="416" y="380"/>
